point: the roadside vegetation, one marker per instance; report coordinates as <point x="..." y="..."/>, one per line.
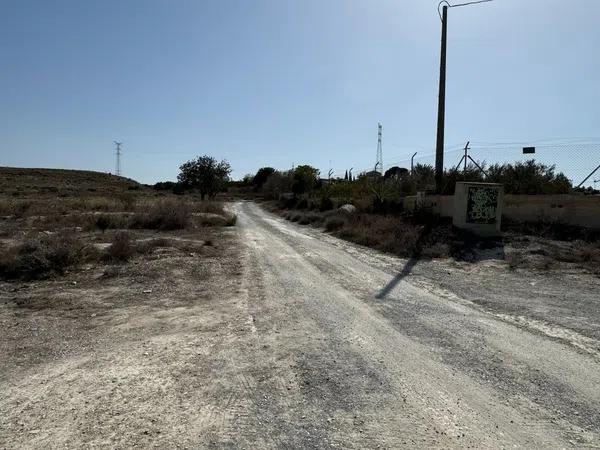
<point x="54" y="222"/>
<point x="369" y="210"/>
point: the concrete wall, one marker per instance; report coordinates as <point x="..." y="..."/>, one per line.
<point x="439" y="204"/>
<point x="581" y="210"/>
<point x="572" y="209"/>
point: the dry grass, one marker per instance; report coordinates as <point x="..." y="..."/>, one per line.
<point x="163" y="215"/>
<point x="63" y="183"/>
<point x="121" y="248"/>
<point x="65" y="211"/>
<point x="208" y="206"/>
<point x="392" y="234"/>
<point x="43" y="257"/>
<point x="386" y="233"/>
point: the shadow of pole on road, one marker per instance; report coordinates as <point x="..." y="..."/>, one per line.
<point x="412" y="262"/>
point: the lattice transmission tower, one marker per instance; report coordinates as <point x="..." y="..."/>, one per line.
<point x="379" y="162"/>
<point x="118" y="161"/>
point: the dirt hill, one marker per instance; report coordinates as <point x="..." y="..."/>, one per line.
<point x="21" y="182"/>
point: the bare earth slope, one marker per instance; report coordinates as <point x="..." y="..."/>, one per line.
<point x="300" y="340"/>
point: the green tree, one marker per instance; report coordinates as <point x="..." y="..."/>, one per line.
<point x="261" y="177"/>
<point x="206" y="174"/>
<point x="305" y="179"/>
<point x="278" y="183"/>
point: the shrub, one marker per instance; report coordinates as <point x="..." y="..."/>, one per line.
<point x="208" y="207"/>
<point x="121" y="248"/>
<point x="334" y="223"/>
<point x="302" y="204"/>
<point x="385" y="206"/>
<point x="41" y="257"/>
<point x="102" y="223"/>
<point x="213" y="220"/>
<point x="326" y="204"/>
<point x="128" y="200"/>
<point x="289" y="203"/>
<point x="167" y="214"/>
<point x="304" y="220"/>
<point x="14" y="208"/>
<point x="385" y="233"/>
<point x="178" y="189"/>
<point x="314" y="218"/>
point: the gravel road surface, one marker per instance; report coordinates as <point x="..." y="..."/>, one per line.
<point x="365" y="354"/>
<point x="282" y="336"/>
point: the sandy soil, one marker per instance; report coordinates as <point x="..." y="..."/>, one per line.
<point x="284" y="337"/>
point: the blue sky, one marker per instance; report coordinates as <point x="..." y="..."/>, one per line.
<point x="287" y="82"/>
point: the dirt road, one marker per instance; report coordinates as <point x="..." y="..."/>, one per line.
<point x="371" y="358"/>
<point x="296" y="339"/>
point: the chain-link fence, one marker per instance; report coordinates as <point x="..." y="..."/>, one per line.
<point x="575" y="158"/>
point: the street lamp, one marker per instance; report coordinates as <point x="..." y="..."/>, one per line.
<point x="439" y="148"/>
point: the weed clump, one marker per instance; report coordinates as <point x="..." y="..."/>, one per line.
<point x="121" y="248"/>
<point x="42" y="257"/>
<point x="164" y="215"/>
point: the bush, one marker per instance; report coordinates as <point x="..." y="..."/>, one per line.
<point x="41" y="257"/>
<point x="302" y="204"/>
<point x="304" y="220"/>
<point x="121" y="248"/>
<point x="208" y="207"/>
<point x="14" y="208"/>
<point x="102" y="223"/>
<point x="314" y="219"/>
<point x="326" y="204"/>
<point x="385" y="233"/>
<point x="128" y="200"/>
<point x="386" y="206"/>
<point x="529" y="177"/>
<point x="178" y="189"/>
<point x="168" y="214"/>
<point x="334" y="223"/>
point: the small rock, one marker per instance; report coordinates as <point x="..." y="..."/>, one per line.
<point x="347" y="208"/>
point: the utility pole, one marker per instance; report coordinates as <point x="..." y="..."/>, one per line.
<point x="118" y="162"/>
<point x="439" y="147"/>
<point x="379" y="162"/>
